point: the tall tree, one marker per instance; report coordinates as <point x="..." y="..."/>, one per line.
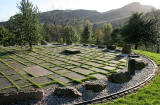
<point x="156" y="17"/>
<point x="86" y="34"/>
<point x="70" y="35"/>
<point x="30" y="24"/>
<point x="107" y="30"/>
<point x="138" y="30"/>
<point x="15" y="26"/>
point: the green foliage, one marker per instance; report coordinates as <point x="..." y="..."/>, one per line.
<point x="6" y="37"/>
<point x="30" y="24"/>
<point x="107" y="30"/>
<point x="98" y="33"/>
<point x="69" y="35"/>
<point x="117" y="37"/>
<point x="86" y="34"/>
<point x="48" y="32"/>
<point x="138" y="30"/>
<point x="15" y="26"/>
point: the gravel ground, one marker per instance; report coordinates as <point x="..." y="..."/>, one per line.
<point x="51" y="99"/>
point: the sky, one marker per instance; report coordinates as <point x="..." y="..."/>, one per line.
<point x="9" y="8"/>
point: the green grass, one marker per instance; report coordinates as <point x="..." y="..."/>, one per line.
<point x="148" y="95"/>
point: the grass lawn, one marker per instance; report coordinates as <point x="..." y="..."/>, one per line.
<point x="149" y="95"/>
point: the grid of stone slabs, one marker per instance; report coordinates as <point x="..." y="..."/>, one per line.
<point x="47" y="65"/>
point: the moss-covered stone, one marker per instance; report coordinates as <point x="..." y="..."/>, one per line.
<point x="67" y="92"/>
<point x="95" y="87"/>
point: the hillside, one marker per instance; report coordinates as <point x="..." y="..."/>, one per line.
<point x="115" y="16"/>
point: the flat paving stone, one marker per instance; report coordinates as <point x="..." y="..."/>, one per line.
<point x="5" y="82"/>
<point x="81" y="70"/>
<point x="62" y="71"/>
<point x="99" y="76"/>
<point x="109" y="68"/>
<point x="41" y="80"/>
<point x="9" y="72"/>
<point x="63" y="80"/>
<point x="56" y="68"/>
<point x="99" y="70"/>
<point x="9" y="90"/>
<point x="22" y="83"/>
<point x="17" y="66"/>
<point x="75" y="76"/>
<point x="38" y="71"/>
<point x="94" y="64"/>
<point x="15" y="77"/>
<point x="28" y="88"/>
<point x="54" y="76"/>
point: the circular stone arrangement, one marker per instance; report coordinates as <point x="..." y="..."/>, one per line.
<point x="112" y="90"/>
<point x="92" y="90"/>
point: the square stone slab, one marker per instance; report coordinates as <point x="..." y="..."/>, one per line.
<point x="63" y="80"/>
<point x="99" y="76"/>
<point x="109" y="68"/>
<point x="83" y="71"/>
<point x="62" y="71"/>
<point x="37" y="71"/>
<point x="4" y="83"/>
<point x="41" y="80"/>
<point x="99" y="70"/>
<point x="94" y="64"/>
<point x="75" y="76"/>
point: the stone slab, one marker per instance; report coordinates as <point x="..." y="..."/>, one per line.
<point x="37" y="71"/>
<point x="75" y="76"/>
<point x="81" y="70"/>
<point x="99" y="76"/>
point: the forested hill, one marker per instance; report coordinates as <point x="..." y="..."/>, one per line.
<point x="116" y="16"/>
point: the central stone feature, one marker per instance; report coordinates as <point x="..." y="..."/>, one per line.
<point x="71" y="51"/>
<point x="37" y="71"/>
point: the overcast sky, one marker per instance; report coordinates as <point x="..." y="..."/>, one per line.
<point x="9" y="7"/>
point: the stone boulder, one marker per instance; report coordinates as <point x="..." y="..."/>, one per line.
<point x="121" y="77"/>
<point x="111" y="47"/>
<point x="101" y="46"/>
<point x="95" y="87"/>
<point x="43" y="42"/>
<point x="133" y="55"/>
<point x="126" y="49"/>
<point x="139" y="64"/>
<point x="8" y="98"/>
<point x="85" y="45"/>
<point x="131" y="66"/>
<point x="67" y="92"/>
<point x="93" y="45"/>
<point x="71" y="51"/>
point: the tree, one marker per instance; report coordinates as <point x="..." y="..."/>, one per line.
<point x="69" y="35"/>
<point x="116" y="36"/>
<point x="138" y="30"/>
<point x="6" y="38"/>
<point x="156" y="17"/>
<point x="15" y="26"/>
<point x="86" y="34"/>
<point x="107" y="30"/>
<point x="30" y="26"/>
<point x="98" y="33"/>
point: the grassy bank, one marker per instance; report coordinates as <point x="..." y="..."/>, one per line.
<point x="148" y="95"/>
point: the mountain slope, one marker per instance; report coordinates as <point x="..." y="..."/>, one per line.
<point x="115" y="16"/>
